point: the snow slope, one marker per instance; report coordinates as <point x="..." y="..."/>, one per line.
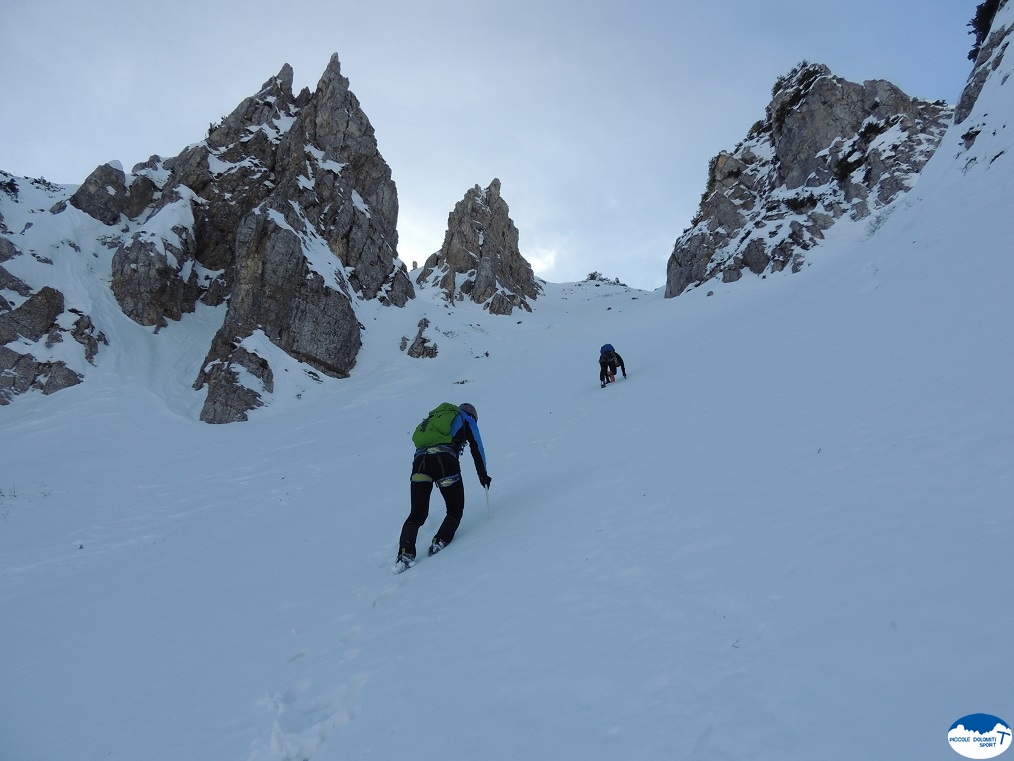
<point x="786" y="535"/>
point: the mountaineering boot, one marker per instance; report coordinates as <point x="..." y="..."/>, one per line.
<point x="404" y="561"/>
<point x="436" y="547"/>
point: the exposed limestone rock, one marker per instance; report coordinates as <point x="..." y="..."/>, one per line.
<point x="480" y="258"/>
<point x="150" y="288"/>
<point x="20" y="372"/>
<point x="34" y="318"/>
<point x="85" y="334"/>
<point x="976" y="122"/>
<point x="7" y="250"/>
<point x="228" y="399"/>
<point x="990" y="56"/>
<point x="287" y="212"/>
<point x="105" y="195"/>
<point x="286" y="215"/>
<point x="9" y="282"/>
<point x="276" y="292"/>
<point x="420" y="346"/>
<point x="826" y="148"/>
<point x="32" y="324"/>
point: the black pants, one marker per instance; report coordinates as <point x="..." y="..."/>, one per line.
<point x="607" y="370"/>
<point x="442" y="469"/>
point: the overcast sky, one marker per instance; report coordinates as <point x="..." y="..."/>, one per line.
<point x="599" y="118"/>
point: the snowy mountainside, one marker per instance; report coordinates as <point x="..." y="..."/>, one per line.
<point x="756" y="529"/>
<point x="72" y="252"/>
<point x="758" y="546"/>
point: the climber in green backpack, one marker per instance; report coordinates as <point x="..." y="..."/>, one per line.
<point x="439" y="442"/>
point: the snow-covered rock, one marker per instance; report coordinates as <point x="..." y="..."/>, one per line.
<point x="826" y="148"/>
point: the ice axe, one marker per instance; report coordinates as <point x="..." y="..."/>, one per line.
<point x="489" y="509"/>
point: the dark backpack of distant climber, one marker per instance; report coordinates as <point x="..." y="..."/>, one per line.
<point x="439" y="442"/>
<point x="609" y="361"/>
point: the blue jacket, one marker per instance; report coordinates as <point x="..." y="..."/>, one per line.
<point x="464" y="430"/>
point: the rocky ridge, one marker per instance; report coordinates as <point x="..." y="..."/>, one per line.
<point x="826" y="148"/>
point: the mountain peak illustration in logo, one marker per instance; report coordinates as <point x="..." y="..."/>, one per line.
<point x="979" y="735"/>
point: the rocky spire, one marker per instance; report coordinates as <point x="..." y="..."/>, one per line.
<point x="288" y="212"/>
<point x="826" y="148"/>
<point x="480" y="259"/>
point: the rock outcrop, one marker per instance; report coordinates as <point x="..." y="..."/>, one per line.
<point x="284" y="217"/>
<point x="988" y="55"/>
<point x="826" y="148"/>
<point x="480" y="259"/>
<point x="40" y="316"/>
<point x="287" y="212"/>
<point x="106" y="195"/>
<point x="420" y="346"/>
<point x="984" y="140"/>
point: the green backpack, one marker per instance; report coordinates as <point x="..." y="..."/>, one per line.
<point x="436" y="428"/>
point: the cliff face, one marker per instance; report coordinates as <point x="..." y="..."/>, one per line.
<point x="294" y="215"/>
<point x="825" y="149"/>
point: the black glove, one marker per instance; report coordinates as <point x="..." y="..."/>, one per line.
<point x="485" y="481"/>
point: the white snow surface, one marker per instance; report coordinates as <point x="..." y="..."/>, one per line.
<point x="788" y="534"/>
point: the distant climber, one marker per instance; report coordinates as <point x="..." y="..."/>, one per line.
<point x="609" y="361"/>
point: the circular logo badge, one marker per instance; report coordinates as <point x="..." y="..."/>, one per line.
<point x="979" y="735"/>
